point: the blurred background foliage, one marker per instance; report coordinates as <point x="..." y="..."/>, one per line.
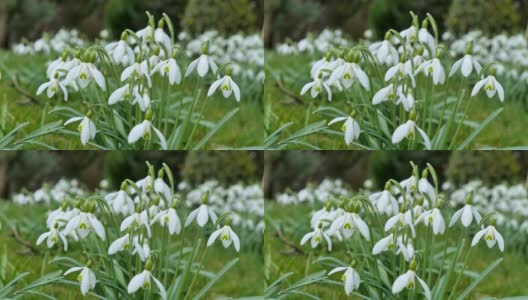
<point x="292" y="170"/>
<point x="30" y="169"/>
<point x="29" y="19"/>
<point x="293" y="19"/>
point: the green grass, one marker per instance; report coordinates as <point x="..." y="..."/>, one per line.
<point x="244" y="279"/>
<point x="243" y="130"/>
<point x="507" y="280"/>
<point x="507" y="130"/>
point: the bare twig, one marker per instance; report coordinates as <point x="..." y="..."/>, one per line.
<point x="296" y="249"/>
<point x="20" y="240"/>
<point x="14" y="84"/>
<point x="289" y="93"/>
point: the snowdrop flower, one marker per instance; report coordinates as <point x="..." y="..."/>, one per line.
<point x="120" y="51"/>
<point x="120" y="201"/>
<point x="147" y="33"/>
<point x="161" y="37"/>
<point x="350" y="72"/>
<point x="161" y="187"/>
<point x="143" y="280"/>
<point x="136" y="220"/>
<point x="386" y="243"/>
<point x="121" y="94"/>
<point x="202" y="213"/>
<point x="434" y="69"/>
<point x="86" y="127"/>
<point x="323" y="63"/>
<point x="86" y="277"/>
<point x="491" y="86"/>
<point x="400" y="70"/>
<point x="316" y="237"/>
<point x="425" y="187"/>
<point x="227" y="236"/>
<point x="84" y="73"/>
<point x="350" y="127"/>
<point x="466" y="213"/>
<point x="122" y="243"/>
<point x="84" y="223"/>
<point x="316" y="87"/>
<point x="410" y="34"/>
<point x="142" y="100"/>
<point x="170" y="69"/>
<point x="408" y="130"/>
<point x="407" y="251"/>
<point x="144" y="129"/>
<point x="385" y="94"/>
<point x="202" y="63"/>
<point x="323" y="213"/>
<point x="227" y="86"/>
<point x="425" y="37"/>
<point x="434" y="218"/>
<point x="142" y="251"/>
<point x="466" y="64"/>
<point x="170" y="219"/>
<point x="349" y="223"/>
<point x="52" y="237"/>
<point x="408" y="280"/>
<point x="401" y="219"/>
<point x="52" y="88"/>
<point x="384" y="201"/>
<point x="385" y="52"/>
<point x="406" y="100"/>
<point x="350" y="277"/>
<point x="491" y="236"/>
<point x="135" y="71"/>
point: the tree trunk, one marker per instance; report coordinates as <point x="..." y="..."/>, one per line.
<point x="267" y="23"/>
<point x="3" y="24"/>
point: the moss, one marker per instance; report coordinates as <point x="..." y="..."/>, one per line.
<point x="492" y="167"/>
<point x="225" y="16"/>
<point x="499" y="16"/>
<point x="228" y="167"/>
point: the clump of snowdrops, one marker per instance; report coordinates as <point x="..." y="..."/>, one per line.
<point x="133" y="94"/>
<point x="134" y="244"/>
<point x="403" y="92"/>
<point x="401" y="242"/>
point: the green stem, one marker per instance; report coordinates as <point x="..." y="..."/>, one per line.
<point x="460" y="95"/>
<point x="460" y="273"/>
<point x="189" y="289"/>
<point x="196" y="245"/>
<point x="189" y="114"/>
<point x="460" y="123"/>
<point x="200" y="117"/>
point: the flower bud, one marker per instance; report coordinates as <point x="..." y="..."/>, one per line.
<point x="124" y="186"/>
<point x="388" y="186"/>
<point x="205" y="48"/>
<point x="148" y="265"/>
<point x="205" y="198"/>
<point x="469" y="48"/>
<point x="412" y="115"/>
<point x="148" y="115"/>
<point x="412" y="265"/>
<point x="469" y="198"/>
<point x="124" y="36"/>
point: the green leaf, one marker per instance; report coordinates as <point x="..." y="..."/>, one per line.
<point x="473" y="135"/>
<point x="219" y="125"/>
<point x="477" y="280"/>
<point x="226" y="268"/>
